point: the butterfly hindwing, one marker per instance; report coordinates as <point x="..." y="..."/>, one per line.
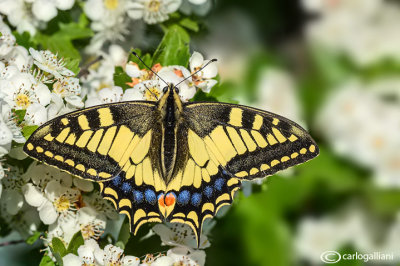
<point x="200" y="185"/>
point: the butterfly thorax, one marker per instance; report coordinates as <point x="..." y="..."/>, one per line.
<point x="170" y="107"/>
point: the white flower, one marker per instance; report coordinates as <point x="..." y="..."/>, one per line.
<point x="29" y="15"/>
<point x="47" y="9"/>
<point x="108" y="21"/>
<point x="316" y="236"/>
<point x="69" y="88"/>
<point x="48" y="62"/>
<point x="153" y="11"/>
<point x="106" y="95"/>
<point x="203" y="79"/>
<point x="91" y="254"/>
<point x="54" y="201"/>
<point x="181" y="235"/>
<point x="361" y="126"/>
<point x="148" y="90"/>
<point x="358" y="28"/>
<point x="20" y="15"/>
<point x="181" y="256"/>
<point x="21" y="89"/>
<point x="57" y="106"/>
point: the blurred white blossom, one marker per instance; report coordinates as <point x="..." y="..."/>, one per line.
<point x="359" y="124"/>
<point x="28" y="15"/>
<point x="361" y="29"/>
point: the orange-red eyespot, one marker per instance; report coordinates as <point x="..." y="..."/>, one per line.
<point x="170" y="199"/>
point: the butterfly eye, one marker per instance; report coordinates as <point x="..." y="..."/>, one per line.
<point x="165" y="89"/>
<point x="176" y="90"/>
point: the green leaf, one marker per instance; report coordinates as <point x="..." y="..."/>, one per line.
<point x="146" y="58"/>
<point x="20" y="115"/>
<point x="46" y="261"/>
<point x="75" y="243"/>
<point x="32" y="239"/>
<point x="61" y="42"/>
<point x="121" y="78"/>
<point x="58" y="246"/>
<point x="24" y="39"/>
<point x="124" y="233"/>
<point x="174" y="48"/>
<point x="189" y="24"/>
<point x="28" y="130"/>
<point x="73" y="65"/>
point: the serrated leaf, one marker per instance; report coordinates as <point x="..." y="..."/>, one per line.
<point x="58" y="247"/>
<point x="32" y="239"/>
<point x="28" y="130"/>
<point x="61" y="42"/>
<point x="46" y="261"/>
<point x="174" y="48"/>
<point x="121" y="78"/>
<point x="75" y="243"/>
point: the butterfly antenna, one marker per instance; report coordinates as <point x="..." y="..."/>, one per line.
<point x="152" y="93"/>
<point x="209" y="62"/>
<point x="135" y="54"/>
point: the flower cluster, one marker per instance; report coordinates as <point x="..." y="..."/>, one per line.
<point x="27" y="15"/>
<point x="111" y="19"/>
<point x="359" y="124"/>
<point x="359" y="29"/>
<point x="36" y="86"/>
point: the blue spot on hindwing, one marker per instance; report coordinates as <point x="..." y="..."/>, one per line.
<point x="138" y="196"/>
<point x="208" y="191"/>
<point x="184" y="197"/>
<point x="150" y="196"/>
<point x="196" y="199"/>
<point x="219" y="183"/>
<point x="116" y="180"/>
<point x="126" y="187"/>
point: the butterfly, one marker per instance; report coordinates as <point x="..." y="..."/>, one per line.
<point x="168" y="160"/>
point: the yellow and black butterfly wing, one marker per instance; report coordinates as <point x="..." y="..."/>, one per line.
<point x="112" y="144"/>
<point x="222" y="144"/>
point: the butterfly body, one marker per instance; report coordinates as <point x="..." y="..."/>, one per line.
<point x="169" y="160"/>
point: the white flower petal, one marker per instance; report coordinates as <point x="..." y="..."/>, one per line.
<point x="64" y="4"/>
<point x="32" y="195"/>
<point x="72" y="260"/>
<point x="133" y="95"/>
<point x="44" y="10"/>
<point x="36" y="114"/>
<point x="197" y="2"/>
<point x="132" y="69"/>
<point x="47" y="213"/>
<point x="196" y="60"/>
<point x="163" y="261"/>
<point x="130" y="261"/>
